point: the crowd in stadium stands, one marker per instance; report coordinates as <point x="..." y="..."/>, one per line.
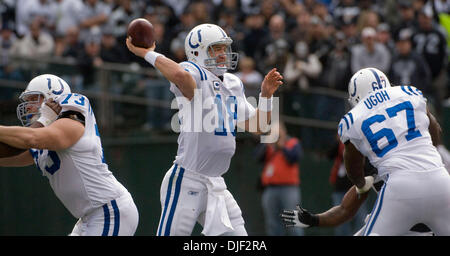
<point x="314" y="43"/>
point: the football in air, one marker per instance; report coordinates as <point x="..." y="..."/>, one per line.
<point x="141" y="32"/>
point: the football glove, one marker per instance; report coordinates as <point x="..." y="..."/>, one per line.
<point x="299" y="218"/>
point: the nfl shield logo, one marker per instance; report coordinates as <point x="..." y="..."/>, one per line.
<point x="216" y="85"/>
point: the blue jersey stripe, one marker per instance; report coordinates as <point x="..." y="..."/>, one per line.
<point x="175" y="201"/>
<point x="403" y="89"/>
<point x="346" y="122"/>
<point x="166" y="204"/>
<point x="411" y="90"/>
<point x="199" y="70"/>
<point x="351" y="117"/>
<point x="116" y="218"/>
<point x="107" y="220"/>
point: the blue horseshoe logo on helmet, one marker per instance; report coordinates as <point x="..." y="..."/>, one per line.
<point x="199" y="39"/>
<point x="61" y="90"/>
<point x="354" y="85"/>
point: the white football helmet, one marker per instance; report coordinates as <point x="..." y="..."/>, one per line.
<point x="199" y="42"/>
<point x="364" y="82"/>
<point x="39" y="90"/>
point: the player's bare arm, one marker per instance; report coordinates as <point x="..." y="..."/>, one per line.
<point x="270" y="84"/>
<point x="434" y="128"/>
<point x="61" y="134"/>
<point x="354" y="164"/>
<point x="343" y="212"/>
<point x="331" y="218"/>
<point x="20" y="160"/>
<point x="169" y="68"/>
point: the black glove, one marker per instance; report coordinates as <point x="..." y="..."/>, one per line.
<point x="299" y="218"/>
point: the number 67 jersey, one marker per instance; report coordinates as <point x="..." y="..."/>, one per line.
<point x="390" y="127"/>
<point x="79" y="175"/>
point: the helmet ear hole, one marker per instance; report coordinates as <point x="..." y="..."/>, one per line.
<point x="196" y="53"/>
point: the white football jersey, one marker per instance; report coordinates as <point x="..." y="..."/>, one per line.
<point x="79" y="175"/>
<point x="207" y="141"/>
<point x="390" y="127"/>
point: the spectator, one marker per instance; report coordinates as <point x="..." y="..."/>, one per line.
<point x="94" y="15"/>
<point x="249" y="76"/>
<point x="255" y="31"/>
<point x="407" y="17"/>
<point x="268" y="8"/>
<point x="201" y="12"/>
<point x="30" y="10"/>
<point x="319" y="39"/>
<point x="280" y="179"/>
<point x="368" y="19"/>
<point x="7" y="40"/>
<point x="429" y="42"/>
<point x="89" y="60"/>
<point x="337" y="65"/>
<point x="302" y="67"/>
<point x="122" y="16"/>
<point x="228" y="22"/>
<point x="177" y="52"/>
<point x="35" y="44"/>
<point x="110" y="51"/>
<point x="66" y="13"/>
<point x="384" y="37"/>
<point x="408" y="67"/>
<point x="370" y="53"/>
<point x="7" y="71"/>
<point x="71" y="46"/>
<point x="274" y="48"/>
<point x="351" y="32"/>
<point x="302" y="27"/>
<point x="346" y="11"/>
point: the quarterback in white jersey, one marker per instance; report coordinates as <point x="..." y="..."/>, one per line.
<point x="68" y="151"/>
<point x="393" y="128"/>
<point x="212" y="103"/>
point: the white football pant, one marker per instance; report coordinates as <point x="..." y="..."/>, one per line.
<point x="184" y="199"/>
<point x="118" y="217"/>
<point x="408" y="198"/>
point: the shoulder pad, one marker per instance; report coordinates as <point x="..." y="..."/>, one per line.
<point x="75" y="102"/>
<point x="344" y="125"/>
<point x="411" y="90"/>
<point x="194" y="69"/>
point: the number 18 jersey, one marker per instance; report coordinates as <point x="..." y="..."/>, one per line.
<point x="390" y="127"/>
<point x="79" y="175"/>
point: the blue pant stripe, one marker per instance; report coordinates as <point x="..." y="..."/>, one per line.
<point x="116" y="218"/>
<point x="174" y="203"/>
<point x="373" y="218"/>
<point x="107" y="220"/>
<point x="166" y="204"/>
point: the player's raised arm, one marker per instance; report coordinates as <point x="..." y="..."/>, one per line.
<point x="169" y="68"/>
<point x="263" y="115"/>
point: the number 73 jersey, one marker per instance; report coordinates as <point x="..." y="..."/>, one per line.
<point x="390" y="127"/>
<point x="79" y="175"/>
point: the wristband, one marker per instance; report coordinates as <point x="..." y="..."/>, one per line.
<point x="151" y="56"/>
<point x="48" y="116"/>
<point x="265" y="104"/>
<point x="314" y="220"/>
<point x="367" y="186"/>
